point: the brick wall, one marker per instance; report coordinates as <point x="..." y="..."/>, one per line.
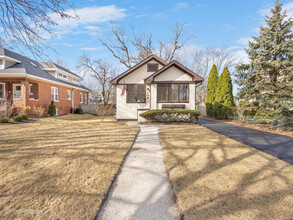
<point x="44" y="95"/>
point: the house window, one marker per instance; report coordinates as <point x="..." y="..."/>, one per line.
<point x="136" y="93"/>
<point x="68" y="95"/>
<point x="31" y="89"/>
<point x="16" y="91"/>
<point x="85" y="99"/>
<point x="60" y="75"/>
<point x="152" y="67"/>
<point x="175" y="92"/>
<point x="80" y="97"/>
<point x="2" y="91"/>
<point x="54" y="94"/>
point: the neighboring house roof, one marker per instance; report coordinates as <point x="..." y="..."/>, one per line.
<point x="31" y="67"/>
<point x="195" y="77"/>
<point x="127" y="72"/>
<point x="52" y="65"/>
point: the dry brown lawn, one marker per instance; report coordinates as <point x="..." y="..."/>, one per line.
<point x="215" y="177"/>
<point x="59" y="168"/>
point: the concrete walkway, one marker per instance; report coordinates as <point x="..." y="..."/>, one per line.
<point x="142" y="189"/>
<point x="279" y="146"/>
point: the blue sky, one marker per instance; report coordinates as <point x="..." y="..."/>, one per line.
<point x="216" y="23"/>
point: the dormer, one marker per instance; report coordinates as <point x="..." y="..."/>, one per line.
<point x="6" y="62"/>
<point x="61" y="73"/>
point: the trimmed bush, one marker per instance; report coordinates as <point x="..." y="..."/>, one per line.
<point x="24" y="117"/>
<point x="4" y="120"/>
<point x="190" y="116"/>
<point x="52" y="109"/>
<point x="78" y="111"/>
<point x="17" y="118"/>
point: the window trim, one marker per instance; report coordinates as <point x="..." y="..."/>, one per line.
<point x="85" y="98"/>
<point x="68" y="94"/>
<point x="148" y="67"/>
<point x="13" y="90"/>
<point x="30" y="86"/>
<point x="135" y="93"/>
<point x="3" y="91"/>
<point x="167" y="95"/>
<point x="55" y="100"/>
<point x="80" y="97"/>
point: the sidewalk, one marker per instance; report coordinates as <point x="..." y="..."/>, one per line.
<point x="142" y="189"/>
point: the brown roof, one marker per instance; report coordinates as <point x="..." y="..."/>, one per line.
<point x="116" y="80"/>
<point x="195" y="77"/>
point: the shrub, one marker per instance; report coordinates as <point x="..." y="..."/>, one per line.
<point x="17" y="118"/>
<point x="190" y="116"/>
<point x="39" y="111"/>
<point x="78" y="111"/>
<point x="4" y="120"/>
<point x="24" y="116"/>
<point x="52" y="109"/>
<point x="103" y="110"/>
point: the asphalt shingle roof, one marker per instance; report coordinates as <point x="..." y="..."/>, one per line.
<point x="32" y="67"/>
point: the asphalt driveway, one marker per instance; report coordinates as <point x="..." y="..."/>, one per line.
<point x="279" y="146"/>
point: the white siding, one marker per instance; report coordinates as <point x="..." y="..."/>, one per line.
<point x="173" y="74"/>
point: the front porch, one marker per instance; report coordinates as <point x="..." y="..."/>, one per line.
<point x="19" y="91"/>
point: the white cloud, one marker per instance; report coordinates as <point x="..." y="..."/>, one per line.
<point x="90" y="48"/>
<point x="244" y="40"/>
<point x="181" y="5"/>
<point x="88" y="17"/>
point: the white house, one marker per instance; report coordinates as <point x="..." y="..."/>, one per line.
<point x="154" y="84"/>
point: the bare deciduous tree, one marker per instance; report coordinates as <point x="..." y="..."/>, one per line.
<point x="202" y="62"/>
<point x="130" y="50"/>
<point x="100" y="70"/>
<point x="180" y="36"/>
<point x="27" y="22"/>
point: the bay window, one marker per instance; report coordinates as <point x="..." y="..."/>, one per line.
<point x="173" y="92"/>
<point x="136" y="93"/>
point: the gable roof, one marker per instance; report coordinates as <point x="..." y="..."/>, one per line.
<point x="116" y="80"/>
<point x="195" y="77"/>
<point x="31" y="67"/>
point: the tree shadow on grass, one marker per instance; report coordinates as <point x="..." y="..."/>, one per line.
<point x="258" y="188"/>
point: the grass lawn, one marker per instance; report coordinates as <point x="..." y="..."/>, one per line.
<point x="61" y="167"/>
<point x="215" y="177"/>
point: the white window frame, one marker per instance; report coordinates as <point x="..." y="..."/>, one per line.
<point x="68" y="95"/>
<point x="55" y="91"/>
<point x="31" y="92"/>
<point x="80" y="98"/>
<point x="85" y="98"/>
<point x="3" y="98"/>
<point x="14" y="90"/>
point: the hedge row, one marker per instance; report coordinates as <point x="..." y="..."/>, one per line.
<point x="190" y="116"/>
<point x="19" y="118"/>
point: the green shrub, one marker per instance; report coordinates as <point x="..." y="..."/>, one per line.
<point x="4" y="120"/>
<point x="24" y="116"/>
<point x="78" y="111"/>
<point x="52" y="109"/>
<point x="190" y="116"/>
<point x="17" y="118"/>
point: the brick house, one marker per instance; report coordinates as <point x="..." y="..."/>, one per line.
<point x="26" y="82"/>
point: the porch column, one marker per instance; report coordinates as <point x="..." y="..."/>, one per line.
<point x="153" y="96"/>
<point x="24" y="92"/>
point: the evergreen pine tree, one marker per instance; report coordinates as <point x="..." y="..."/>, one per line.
<point x="266" y="82"/>
<point x="224" y="101"/>
<point x="211" y="90"/>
